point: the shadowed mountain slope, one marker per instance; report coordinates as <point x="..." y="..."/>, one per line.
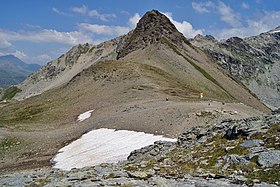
<point x="13" y="70"/>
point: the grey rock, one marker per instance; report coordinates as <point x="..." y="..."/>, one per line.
<point x="235" y="159"/>
<point x="263" y="184"/>
<point x="253" y="61"/>
<point x="269" y="158"/>
<point x="203" y="139"/>
<point x="257" y="149"/>
<point x="252" y="143"/>
<point x="139" y="175"/>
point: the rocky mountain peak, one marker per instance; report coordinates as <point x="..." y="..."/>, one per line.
<point x="276" y="30"/>
<point x="151" y="28"/>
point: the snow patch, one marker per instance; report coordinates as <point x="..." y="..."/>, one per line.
<point x="84" y="116"/>
<point x="275" y="31"/>
<point x="103" y="146"/>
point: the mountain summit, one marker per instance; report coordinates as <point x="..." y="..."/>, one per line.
<point x="151" y="28"/>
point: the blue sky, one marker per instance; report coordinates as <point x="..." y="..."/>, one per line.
<point x="38" y="31"/>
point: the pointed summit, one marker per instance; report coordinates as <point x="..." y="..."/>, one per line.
<point x="151" y="28"/>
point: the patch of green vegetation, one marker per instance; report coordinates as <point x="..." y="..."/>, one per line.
<point x="8" y="143"/>
<point x="133" y="166"/>
<point x="23" y="114"/>
<point x="238" y="150"/>
<point x="255" y="159"/>
<point x="275" y="128"/>
<point x="271" y="137"/>
<point x="30" y="111"/>
<point x="111" y="176"/>
<point x="270" y="175"/>
<point x="39" y="182"/>
<point x="10" y="93"/>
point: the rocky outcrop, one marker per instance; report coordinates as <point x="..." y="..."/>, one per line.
<point x="232" y="153"/>
<point x="255" y="61"/>
<point x="68" y="65"/>
<point x="151" y="28"/>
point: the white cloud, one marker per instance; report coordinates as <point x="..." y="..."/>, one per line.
<point x="134" y="20"/>
<point x="46" y="36"/>
<point x="56" y="10"/>
<point x="203" y="7"/>
<point x="245" y="5"/>
<point x="42" y="58"/>
<point x="81" y="10"/>
<point x="228" y="15"/>
<point x="104" y="29"/>
<point x="265" y="22"/>
<point x="103" y="17"/>
<point x="4" y="44"/>
<point x="184" y="27"/>
<point x="84" y="10"/>
<point x="39" y="59"/>
<point x="21" y="55"/>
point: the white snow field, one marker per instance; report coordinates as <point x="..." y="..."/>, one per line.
<point x="103" y="146"/>
<point x="84" y="116"/>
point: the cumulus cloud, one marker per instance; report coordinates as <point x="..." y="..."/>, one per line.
<point x="4" y="44"/>
<point x="39" y="59"/>
<point x="228" y="15"/>
<point x="104" y="29"/>
<point x="202" y="7"/>
<point x="265" y="22"/>
<point x="42" y="58"/>
<point x="184" y="27"/>
<point x="134" y="20"/>
<point x="56" y="10"/>
<point x="84" y="10"/>
<point x="81" y="10"/>
<point x="46" y="36"/>
<point x="19" y="54"/>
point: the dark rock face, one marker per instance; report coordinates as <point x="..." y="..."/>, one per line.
<point x="254" y="61"/>
<point x="152" y="27"/>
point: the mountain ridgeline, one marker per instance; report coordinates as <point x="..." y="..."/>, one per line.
<point x="254" y="61"/>
<point x="14" y="70"/>
<point x="155" y="42"/>
<point x="151" y="29"/>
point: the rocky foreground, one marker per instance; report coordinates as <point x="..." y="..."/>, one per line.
<point x="232" y="153"/>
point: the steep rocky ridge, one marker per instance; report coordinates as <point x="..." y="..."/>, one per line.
<point x="63" y="69"/>
<point x="150" y="30"/>
<point x="255" y="61"/>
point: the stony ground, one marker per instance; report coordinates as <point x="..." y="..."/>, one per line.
<point x="231" y="153"/>
<point x="33" y="145"/>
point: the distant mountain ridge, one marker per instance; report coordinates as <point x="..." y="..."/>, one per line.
<point x="255" y="61"/>
<point x="13" y="70"/>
